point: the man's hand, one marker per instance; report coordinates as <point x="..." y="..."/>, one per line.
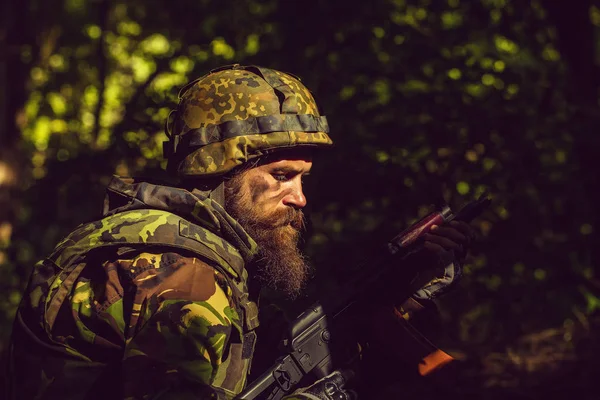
<point x="456" y="237"/>
<point x="449" y="245"/>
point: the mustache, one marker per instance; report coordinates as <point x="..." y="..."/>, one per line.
<point x="297" y="220"/>
<point x="289" y="216"/>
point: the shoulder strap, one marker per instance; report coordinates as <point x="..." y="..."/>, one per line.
<point x="148" y="227"/>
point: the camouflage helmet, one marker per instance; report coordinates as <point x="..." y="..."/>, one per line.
<point x="237" y="113"/>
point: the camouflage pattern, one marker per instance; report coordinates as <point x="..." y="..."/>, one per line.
<point x="235" y="114"/>
<point x="150" y="301"/>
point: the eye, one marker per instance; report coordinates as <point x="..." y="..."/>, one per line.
<point x="280" y="177"/>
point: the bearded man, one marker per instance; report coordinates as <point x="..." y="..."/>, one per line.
<point x="158" y="299"/>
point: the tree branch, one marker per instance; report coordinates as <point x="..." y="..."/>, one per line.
<point x="104" y="10"/>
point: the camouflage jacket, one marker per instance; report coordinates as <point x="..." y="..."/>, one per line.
<point x="151" y="301"/>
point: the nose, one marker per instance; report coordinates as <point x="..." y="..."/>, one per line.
<point x="295" y="197"/>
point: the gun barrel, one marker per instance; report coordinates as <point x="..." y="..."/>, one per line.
<point x="409" y="237"/>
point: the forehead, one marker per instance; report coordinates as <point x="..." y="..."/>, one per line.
<point x="296" y="157"/>
<point x="299" y="165"/>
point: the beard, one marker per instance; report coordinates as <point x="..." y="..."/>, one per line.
<point x="280" y="264"/>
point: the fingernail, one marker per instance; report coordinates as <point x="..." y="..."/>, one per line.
<point x="434" y="227"/>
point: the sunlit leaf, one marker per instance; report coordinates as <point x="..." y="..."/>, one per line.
<point x="451" y="19"/>
<point x="142" y="67"/>
<point x="505" y="45"/>
<point x="414" y="85"/>
<point x="379" y="32"/>
<point x="463" y="188"/>
<point x="182" y="65"/>
<point x="488" y="79"/>
<point x="550" y="53"/>
<point x="57" y="102"/>
<point x="382" y="89"/>
<point x="499" y="66"/>
<point x="93" y="31"/>
<point x="221" y="48"/>
<point x="156" y="44"/>
<point x="129" y="28"/>
<point x="454" y="74"/>
<point x="167" y="81"/>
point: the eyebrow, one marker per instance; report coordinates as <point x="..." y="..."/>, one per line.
<point x="287" y="170"/>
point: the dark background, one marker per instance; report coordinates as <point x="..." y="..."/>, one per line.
<point x="427" y="100"/>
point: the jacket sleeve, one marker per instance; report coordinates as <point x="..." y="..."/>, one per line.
<point x="182" y="321"/>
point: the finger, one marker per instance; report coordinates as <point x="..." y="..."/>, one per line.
<point x="449" y="232"/>
<point x="434" y="247"/>
<point x="444" y="242"/>
<point x="464" y="228"/>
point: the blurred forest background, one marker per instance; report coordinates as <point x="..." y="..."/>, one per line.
<point x="426" y="99"/>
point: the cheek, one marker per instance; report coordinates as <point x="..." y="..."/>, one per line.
<point x="262" y="193"/>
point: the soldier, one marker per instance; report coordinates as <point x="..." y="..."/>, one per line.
<point x="158" y="299"/>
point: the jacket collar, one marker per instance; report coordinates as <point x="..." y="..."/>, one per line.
<point x="125" y="194"/>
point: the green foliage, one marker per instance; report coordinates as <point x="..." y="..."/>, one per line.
<point x="426" y="100"/>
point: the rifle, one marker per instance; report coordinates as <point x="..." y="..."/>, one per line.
<point x="310" y="343"/>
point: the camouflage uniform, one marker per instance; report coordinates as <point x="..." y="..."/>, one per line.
<point x="156" y="289"/>
<point x="152" y="301"/>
